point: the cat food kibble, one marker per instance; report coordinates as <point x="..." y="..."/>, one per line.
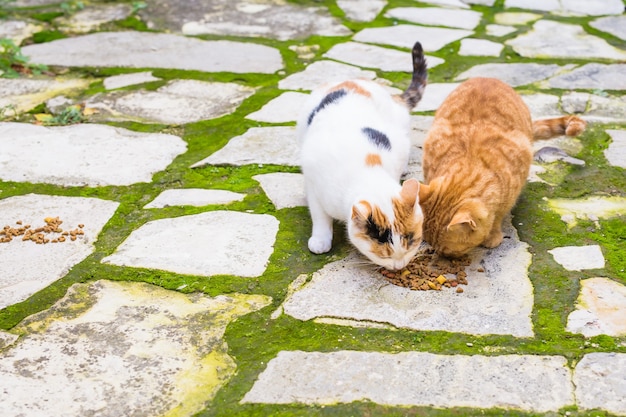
<point x="429" y="271"/>
<point x="50" y="233"/>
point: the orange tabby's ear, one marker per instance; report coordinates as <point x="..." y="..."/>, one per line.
<point x="460" y="218"/>
<point x="361" y="210"/>
<point x="409" y="191"/>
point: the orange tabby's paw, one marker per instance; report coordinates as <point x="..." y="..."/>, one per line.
<point x="575" y="126"/>
<point x="493" y="240"/>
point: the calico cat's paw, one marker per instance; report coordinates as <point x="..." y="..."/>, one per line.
<point x="319" y="245"/>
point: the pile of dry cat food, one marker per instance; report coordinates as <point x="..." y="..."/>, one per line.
<point x="50" y="233"/>
<point x="429" y="271"/>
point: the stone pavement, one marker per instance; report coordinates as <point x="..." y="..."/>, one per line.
<point x="179" y="282"/>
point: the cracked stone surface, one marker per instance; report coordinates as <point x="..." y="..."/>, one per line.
<point x="527" y="382"/>
<point x="435" y="16"/>
<point x="615" y="25"/>
<point x="321" y="72"/>
<point x="573" y="7"/>
<point x="125" y="80"/>
<point x="600" y="383"/>
<point x="284" y="108"/>
<point x="84" y="154"/>
<point x="22" y="95"/>
<point x="504" y="292"/>
<point x="592" y="76"/>
<point x="92" y="17"/>
<point x="590" y="208"/>
<point x="156" y="50"/>
<point x="18" y="30"/>
<point x="28" y="267"/>
<point x="259" y="145"/>
<point x="512" y="74"/>
<point x="194" y="197"/>
<point x="480" y="47"/>
<point x="600" y="309"/>
<point x="361" y="10"/>
<point x="561" y="40"/>
<point x="616" y="152"/>
<point x="109" y="348"/>
<point x="404" y="36"/>
<point x="178" y="102"/>
<point x="238" y="244"/>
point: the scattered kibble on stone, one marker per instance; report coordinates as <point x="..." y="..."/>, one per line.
<point x="429" y="271"/>
<point x="51" y="232"/>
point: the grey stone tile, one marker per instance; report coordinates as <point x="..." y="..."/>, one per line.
<point x="125" y="80"/>
<point x="516" y="18"/>
<point x="503" y="291"/>
<point x="404" y="36"/>
<point x="206" y="244"/>
<point x="589" y="208"/>
<point x="18" y="30"/>
<point x="156" y="50"/>
<point x="516" y="74"/>
<point x="434" y="95"/>
<point x="92" y="17"/>
<point x="577" y="258"/>
<point x="121" y="349"/>
<point x="616" y="152"/>
<point x="361" y="10"/>
<point x="499" y="30"/>
<point x="197" y="197"/>
<point x="615" y="25"/>
<point x="570" y="7"/>
<point x="600" y="309"/>
<point x="84" y="154"/>
<point x="480" y="47"/>
<point x="284" y="189"/>
<point x="560" y="40"/>
<point x="436" y="16"/>
<point x="28" y="267"/>
<point x="592" y="76"/>
<point x="523" y="382"/>
<point x="370" y="56"/>
<point x="23" y="94"/>
<point x="600" y="383"/>
<point x="178" y="102"/>
<point x="259" y="145"/>
<point x="322" y="72"/>
<point x="282" y="109"/>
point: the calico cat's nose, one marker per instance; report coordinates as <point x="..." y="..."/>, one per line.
<point x="399" y="264"/>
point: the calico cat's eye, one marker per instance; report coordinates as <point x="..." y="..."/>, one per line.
<point x="410" y="239"/>
<point x="382" y="235"/>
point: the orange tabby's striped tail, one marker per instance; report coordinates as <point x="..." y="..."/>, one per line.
<point x="558" y="126"/>
<point x="413" y="94"/>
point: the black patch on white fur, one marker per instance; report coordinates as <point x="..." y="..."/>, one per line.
<point x="330" y="98"/>
<point x="377" y="233"/>
<point x="377" y="137"/>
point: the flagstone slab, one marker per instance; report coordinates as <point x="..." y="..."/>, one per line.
<point x="259" y="145"/>
<point x="590" y="208"/>
<point x="434" y="95"/>
<point x="436" y="16"/>
<point x="600" y="383"/>
<point x="322" y="72"/>
<point x="616" y="152"/>
<point x="523" y="382"/>
<point x="282" y="109"/>
<point x="28" y="267"/>
<point x="573" y="7"/>
<point x="577" y="258"/>
<point x="404" y="36"/>
<point x="23" y="94"/>
<point x="18" y="30"/>
<point x="606" y="108"/>
<point x="156" y="50"/>
<point x="177" y="102"/>
<point x="92" y="17"/>
<point x="206" y="244"/>
<point x="284" y="189"/>
<point x="550" y="39"/>
<point x="515" y="18"/>
<point x="121" y="349"/>
<point x="125" y="80"/>
<point x="542" y="105"/>
<point x="83" y="154"/>
<point x="600" y="309"/>
<point x="499" y="30"/>
<point x="361" y="10"/>
<point x="196" y="197"/>
<point x="268" y="19"/>
<point x="516" y="74"/>
<point x="593" y="76"/>
<point x="480" y="47"/>
<point x="503" y="292"/>
<point x="615" y="25"/>
<point x="371" y="56"/>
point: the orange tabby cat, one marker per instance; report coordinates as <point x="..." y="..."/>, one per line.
<point x="477" y="156"/>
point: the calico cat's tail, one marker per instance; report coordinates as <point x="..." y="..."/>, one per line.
<point x="413" y="94"/>
<point x="550" y="128"/>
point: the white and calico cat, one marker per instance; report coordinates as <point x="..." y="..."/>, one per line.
<point x="354" y="138"/>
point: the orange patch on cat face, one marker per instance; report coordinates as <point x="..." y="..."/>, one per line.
<point x="373" y="159"/>
<point x="353" y="87"/>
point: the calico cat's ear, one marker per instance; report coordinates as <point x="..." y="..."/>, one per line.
<point x="361" y="210"/>
<point x="409" y="191"/>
